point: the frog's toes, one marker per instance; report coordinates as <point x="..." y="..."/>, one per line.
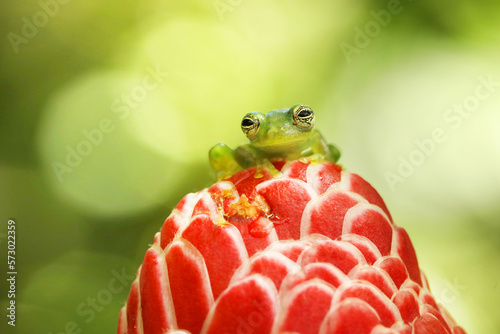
<point x="267" y="165"/>
<point x="313" y="158"/>
<point x="222" y="160"/>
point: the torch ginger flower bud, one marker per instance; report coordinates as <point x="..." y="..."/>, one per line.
<point x="311" y="250"/>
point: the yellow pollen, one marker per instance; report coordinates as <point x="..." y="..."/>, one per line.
<point x="243" y="208"/>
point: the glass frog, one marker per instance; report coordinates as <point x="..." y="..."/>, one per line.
<point x="285" y="134"/>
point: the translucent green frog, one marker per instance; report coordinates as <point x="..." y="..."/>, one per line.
<point x="285" y="134"/>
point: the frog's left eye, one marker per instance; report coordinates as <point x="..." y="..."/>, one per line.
<point x="250" y="125"/>
<point x="303" y="116"/>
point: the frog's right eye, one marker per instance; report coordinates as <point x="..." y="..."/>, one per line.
<point x="303" y="116"/>
<point x="250" y="125"/>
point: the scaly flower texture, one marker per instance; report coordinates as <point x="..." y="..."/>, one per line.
<point x="314" y="250"/>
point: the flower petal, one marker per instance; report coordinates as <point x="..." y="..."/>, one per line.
<point x="255" y="243"/>
<point x="246" y="182"/>
<point x="172" y="224"/>
<point x="369" y="221"/>
<point x="395" y="267"/>
<point x="156" y="301"/>
<point x="341" y="254"/>
<point x="365" y="246"/>
<point x="403" y="247"/>
<point x="350" y="316"/>
<point x="322" y="176"/>
<point x="133" y="312"/>
<point x="249" y="306"/>
<point x="269" y="264"/>
<point x="189" y="283"/>
<point x="304" y="308"/>
<point x="122" y="321"/>
<point x="287" y="199"/>
<point x="387" y="311"/>
<point x="355" y="183"/>
<point x="407" y="302"/>
<point x="375" y="276"/>
<point x="296" y="170"/>
<point x="428" y="324"/>
<point x="325" y="214"/>
<point x="220" y="245"/>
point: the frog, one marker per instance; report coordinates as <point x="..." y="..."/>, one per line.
<point x="282" y="134"/>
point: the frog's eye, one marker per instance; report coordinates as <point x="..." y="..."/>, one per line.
<point x="303" y="116"/>
<point x="250" y="125"/>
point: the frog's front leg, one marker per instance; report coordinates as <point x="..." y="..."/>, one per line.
<point x="222" y="159"/>
<point x="248" y="156"/>
<point x="322" y="151"/>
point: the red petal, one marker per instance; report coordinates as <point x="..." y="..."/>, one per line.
<point x="395" y="267"/>
<point x="245" y="181"/>
<point x="407" y="302"/>
<point x="458" y="330"/>
<point x="270" y="264"/>
<point x="358" y="185"/>
<point x="446" y="316"/>
<point x="380" y="329"/>
<point x="375" y="276"/>
<point x="341" y="254"/>
<point x="134" y="317"/>
<point x="325" y="214"/>
<point x="246" y="307"/>
<point x="365" y="246"/>
<point x="156" y="301"/>
<point x="189" y="284"/>
<point x="320" y="271"/>
<point x="260" y="227"/>
<point x="367" y="292"/>
<point x="403" y="247"/>
<point x="255" y="243"/>
<point x="431" y="310"/>
<point x="365" y="219"/>
<point x="185" y="206"/>
<point x="325" y="272"/>
<point x="290" y="249"/>
<point x="350" y="316"/>
<point x="122" y="321"/>
<point x="296" y="170"/>
<point x="279" y="164"/>
<point x="304" y="308"/>
<point x="220" y="245"/>
<point x="224" y="193"/>
<point x="287" y="199"/>
<point x="409" y="284"/>
<point x="402" y="328"/>
<point x="171" y="226"/>
<point x="428" y="324"/>
<point x="321" y="176"/>
<point x="426" y="298"/>
<point x="425" y="283"/>
<point x="206" y="205"/>
<point x="398" y="328"/>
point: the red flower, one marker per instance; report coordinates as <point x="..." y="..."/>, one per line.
<point x="312" y="251"/>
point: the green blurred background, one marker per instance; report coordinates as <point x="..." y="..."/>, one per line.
<point x="108" y="109"/>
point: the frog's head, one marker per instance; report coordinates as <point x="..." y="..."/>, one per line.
<point x="279" y="129"/>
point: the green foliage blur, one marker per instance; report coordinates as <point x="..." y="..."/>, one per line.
<point x="108" y="110"/>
